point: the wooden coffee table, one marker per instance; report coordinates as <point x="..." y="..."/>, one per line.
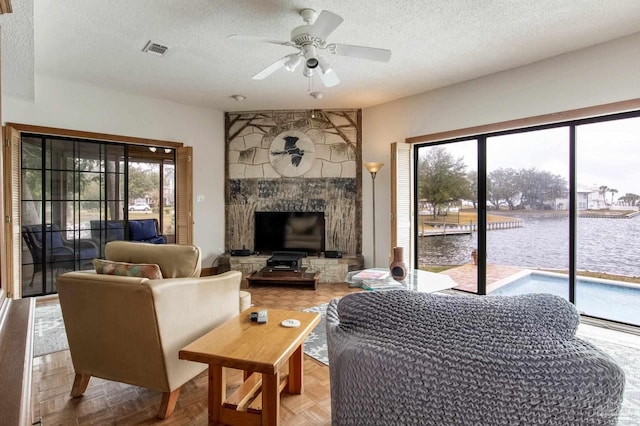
<point x="261" y="351"/>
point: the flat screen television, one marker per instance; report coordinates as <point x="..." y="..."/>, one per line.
<point x="289" y="231"/>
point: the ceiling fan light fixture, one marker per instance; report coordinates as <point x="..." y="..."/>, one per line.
<point x="293" y="62"/>
<point x="310" y="56"/>
<point x="307" y="72"/>
<point x="325" y="66"/>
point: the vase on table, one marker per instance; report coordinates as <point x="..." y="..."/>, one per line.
<point x="397" y="267"/>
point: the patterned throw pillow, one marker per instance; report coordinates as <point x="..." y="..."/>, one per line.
<point x="140" y="270"/>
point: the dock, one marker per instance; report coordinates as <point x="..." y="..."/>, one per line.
<point x="432" y="229"/>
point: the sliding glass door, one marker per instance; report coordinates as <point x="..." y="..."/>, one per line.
<point x="528" y="209"/>
<point x="447" y="219"/>
<point x="608" y="228"/>
<point x="77" y="195"/>
<point x="557" y="210"/>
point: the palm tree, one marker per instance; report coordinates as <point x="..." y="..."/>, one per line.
<point x="612" y="191"/>
<point x="602" y="191"/>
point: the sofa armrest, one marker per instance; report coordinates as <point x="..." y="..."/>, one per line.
<point x="188" y="308"/>
<point x="130" y="329"/>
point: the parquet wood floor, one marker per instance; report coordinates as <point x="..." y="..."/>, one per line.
<point x="112" y="403"/>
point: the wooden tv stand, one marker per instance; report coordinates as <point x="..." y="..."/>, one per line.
<point x="275" y="276"/>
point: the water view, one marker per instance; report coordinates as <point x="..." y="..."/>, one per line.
<point x="604" y="245"/>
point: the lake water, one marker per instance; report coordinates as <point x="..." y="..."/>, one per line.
<point x="604" y="245"/>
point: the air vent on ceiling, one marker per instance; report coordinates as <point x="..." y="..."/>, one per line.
<point x="155" y="48"/>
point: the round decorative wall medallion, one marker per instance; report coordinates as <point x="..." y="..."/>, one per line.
<point x="292" y="153"/>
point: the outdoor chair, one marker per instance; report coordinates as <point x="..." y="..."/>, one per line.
<point x="59" y="252"/>
<point x="145" y="231"/>
<point x="104" y="231"/>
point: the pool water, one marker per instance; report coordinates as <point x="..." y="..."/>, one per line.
<point x="606" y="299"/>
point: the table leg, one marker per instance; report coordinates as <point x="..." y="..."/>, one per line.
<point x="217" y="393"/>
<point x="295" y="372"/>
<point x="270" y="399"/>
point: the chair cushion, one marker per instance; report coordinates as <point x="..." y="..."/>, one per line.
<point x="140" y="230"/>
<point x="175" y="260"/>
<point x="140" y="270"/>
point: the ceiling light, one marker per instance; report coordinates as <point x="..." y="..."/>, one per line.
<point x="293" y="62"/>
<point x="310" y="56"/>
<point x="238" y="98"/>
<point x="307" y="72"/>
<point x="316" y="95"/>
<point x="153" y="149"/>
<point x="325" y="66"/>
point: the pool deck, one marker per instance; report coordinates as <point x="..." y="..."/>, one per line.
<point x="466" y="275"/>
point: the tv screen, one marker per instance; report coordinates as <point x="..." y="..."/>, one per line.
<point x="289" y="231"/>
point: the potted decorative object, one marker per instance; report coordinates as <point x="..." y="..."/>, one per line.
<point x="474" y="254"/>
<point x="397" y="267"/>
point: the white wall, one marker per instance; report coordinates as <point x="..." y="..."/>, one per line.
<point x="69" y="105"/>
<point x="601" y="74"/>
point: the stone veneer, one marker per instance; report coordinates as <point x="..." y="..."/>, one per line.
<point x="331" y="270"/>
<point x="332" y="184"/>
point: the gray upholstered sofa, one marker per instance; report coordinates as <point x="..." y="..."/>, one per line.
<point x="406" y="358"/>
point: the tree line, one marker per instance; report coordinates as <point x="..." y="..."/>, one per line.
<point x="444" y="181"/>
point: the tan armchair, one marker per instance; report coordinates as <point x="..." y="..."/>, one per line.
<point x="130" y="329"/>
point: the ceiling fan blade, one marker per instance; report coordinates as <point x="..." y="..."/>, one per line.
<point x="329" y="79"/>
<point x="259" y="39"/>
<point x="325" y="24"/>
<point x="362" y="52"/>
<point x="271" y="69"/>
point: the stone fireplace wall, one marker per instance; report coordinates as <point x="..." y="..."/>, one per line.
<point x="294" y="161"/>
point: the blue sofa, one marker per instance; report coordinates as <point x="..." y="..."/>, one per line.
<point x="145" y="231"/>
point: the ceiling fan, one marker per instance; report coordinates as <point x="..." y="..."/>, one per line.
<point x="313" y="49"/>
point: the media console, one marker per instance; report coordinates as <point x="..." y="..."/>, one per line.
<point x="268" y="275"/>
<point x="331" y="269"/>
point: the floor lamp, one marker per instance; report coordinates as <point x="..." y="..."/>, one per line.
<point x="374" y="168"/>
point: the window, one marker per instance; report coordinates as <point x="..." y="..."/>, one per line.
<point x="556" y="207"/>
<point x="71" y="194"/>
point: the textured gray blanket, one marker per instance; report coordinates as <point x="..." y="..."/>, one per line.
<point x="408" y="358"/>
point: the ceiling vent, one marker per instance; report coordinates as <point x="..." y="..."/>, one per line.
<point x="155" y="48"/>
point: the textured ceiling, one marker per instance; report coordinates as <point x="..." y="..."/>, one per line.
<point x="435" y="43"/>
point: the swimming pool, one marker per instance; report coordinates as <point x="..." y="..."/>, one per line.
<point x="613" y="300"/>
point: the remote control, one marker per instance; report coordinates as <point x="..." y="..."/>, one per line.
<point x="262" y="316"/>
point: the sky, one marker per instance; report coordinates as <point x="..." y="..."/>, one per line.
<point x="608" y="153"/>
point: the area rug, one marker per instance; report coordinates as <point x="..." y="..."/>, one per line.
<point x="316" y="344"/>
<point x="50" y="335"/>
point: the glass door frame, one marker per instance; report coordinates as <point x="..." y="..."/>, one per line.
<point x="482" y="189"/>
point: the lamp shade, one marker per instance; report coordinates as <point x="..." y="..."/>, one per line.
<point x="373" y="167"/>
